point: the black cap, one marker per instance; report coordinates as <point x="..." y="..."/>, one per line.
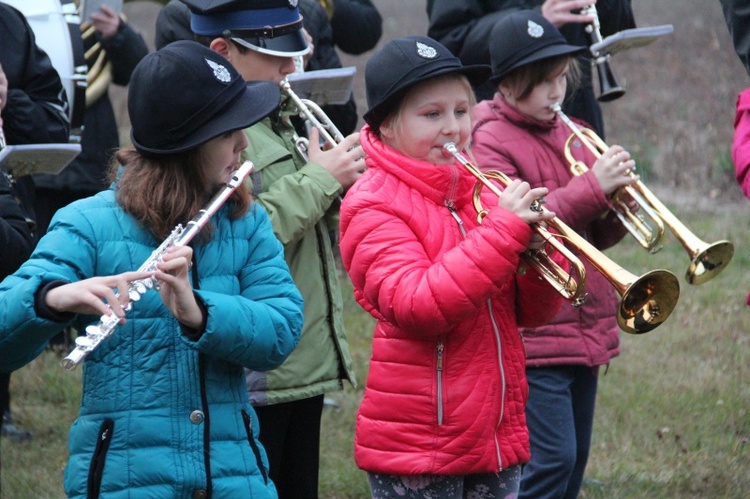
<point x="186" y="94"/>
<point x="524" y="37"/>
<point x="403" y="62"/>
<point x="272" y="27"/>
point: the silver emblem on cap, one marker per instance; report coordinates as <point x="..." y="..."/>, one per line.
<point x="534" y="30"/>
<point x="220" y="72"/>
<point x="426" y="51"/>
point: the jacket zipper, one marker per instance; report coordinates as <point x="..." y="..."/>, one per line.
<point x="248" y="419"/>
<point x="452" y="209"/>
<point x="496" y="330"/>
<point x="440" y="348"/>
<point x="96" y="470"/>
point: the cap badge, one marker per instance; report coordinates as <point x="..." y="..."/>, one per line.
<point x="534" y="30"/>
<point x="426" y="51"/>
<point x="293" y="3"/>
<point x="220" y="72"/>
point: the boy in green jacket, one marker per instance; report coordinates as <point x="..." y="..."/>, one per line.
<point x="302" y="197"/>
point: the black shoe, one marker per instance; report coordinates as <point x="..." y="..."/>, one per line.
<point x="13" y="432"/>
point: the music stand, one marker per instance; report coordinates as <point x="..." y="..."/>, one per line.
<point x="630" y="38"/>
<point x="29" y="159"/>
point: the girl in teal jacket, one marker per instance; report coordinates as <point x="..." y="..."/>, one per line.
<point x="164" y="411"/>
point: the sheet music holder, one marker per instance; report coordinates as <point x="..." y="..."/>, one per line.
<point x="89" y="7"/>
<point x="29" y="159"/>
<point x="630" y="38"/>
<point x="325" y="86"/>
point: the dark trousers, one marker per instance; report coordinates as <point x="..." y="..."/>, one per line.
<point x="290" y="433"/>
<point x="4" y="394"/>
<point x="560" y="416"/>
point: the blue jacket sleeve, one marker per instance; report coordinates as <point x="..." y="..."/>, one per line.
<point x="260" y="327"/>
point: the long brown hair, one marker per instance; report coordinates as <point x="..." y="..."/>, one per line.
<point x="162" y="192"/>
<point x="522" y="81"/>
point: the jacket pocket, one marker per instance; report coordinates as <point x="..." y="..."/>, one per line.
<point x="253" y="444"/>
<point x="96" y="470"/>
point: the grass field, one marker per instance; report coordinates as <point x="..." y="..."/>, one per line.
<point x="672" y="418"/>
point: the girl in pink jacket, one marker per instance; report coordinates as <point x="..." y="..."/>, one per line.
<point x="518" y="134"/>
<point x="443" y="408"/>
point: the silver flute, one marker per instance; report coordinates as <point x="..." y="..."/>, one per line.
<point x="180" y="236"/>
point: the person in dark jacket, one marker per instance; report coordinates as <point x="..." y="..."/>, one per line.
<point x="737" y="16"/>
<point x="86" y="174"/>
<point x="33" y="110"/>
<point x="357" y="25"/>
<point x="17" y="241"/>
<point x="464" y="26"/>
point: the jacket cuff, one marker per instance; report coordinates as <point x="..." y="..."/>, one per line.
<point x="40" y="306"/>
<point x="195" y="334"/>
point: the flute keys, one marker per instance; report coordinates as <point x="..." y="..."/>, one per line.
<point x="84" y="341"/>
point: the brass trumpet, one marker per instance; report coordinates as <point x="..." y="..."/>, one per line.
<point x="648" y="235"/>
<point x="314" y="115"/>
<point x="645" y="302"/>
<point x="707" y="260"/>
<point x="550" y="271"/>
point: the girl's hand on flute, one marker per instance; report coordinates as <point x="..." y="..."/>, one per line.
<point x="95" y="295"/>
<point x="175" y="288"/>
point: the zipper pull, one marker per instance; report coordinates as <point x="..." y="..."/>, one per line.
<point x="454" y="213"/>
<point x="440" y="349"/>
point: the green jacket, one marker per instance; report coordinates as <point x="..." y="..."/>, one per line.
<point x="302" y="200"/>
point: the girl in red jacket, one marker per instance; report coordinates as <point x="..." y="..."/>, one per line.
<point x="519" y="134"/>
<point x="443" y="409"/>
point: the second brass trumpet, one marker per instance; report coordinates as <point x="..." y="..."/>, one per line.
<point x="646" y="301"/>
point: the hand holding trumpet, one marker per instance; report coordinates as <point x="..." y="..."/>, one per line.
<point x="520" y="198"/>
<point x="613" y="169"/>
<point x="345" y="160"/>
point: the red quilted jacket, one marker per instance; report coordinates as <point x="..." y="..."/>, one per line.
<point x="524" y="148"/>
<point x="446" y="388"/>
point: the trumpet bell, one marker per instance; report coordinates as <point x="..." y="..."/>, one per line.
<point x="648" y="302"/>
<point x="709" y="262"/>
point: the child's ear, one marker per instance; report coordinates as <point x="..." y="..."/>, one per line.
<point x="221" y="46"/>
<point x="386" y="129"/>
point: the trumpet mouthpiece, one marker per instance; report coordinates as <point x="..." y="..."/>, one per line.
<point x="449" y="149"/>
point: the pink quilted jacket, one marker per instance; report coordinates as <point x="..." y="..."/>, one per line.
<point x="741" y="143"/>
<point x="531" y="150"/>
<point x="446" y="388"/>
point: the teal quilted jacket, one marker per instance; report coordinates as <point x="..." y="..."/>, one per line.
<point x="162" y="415"/>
